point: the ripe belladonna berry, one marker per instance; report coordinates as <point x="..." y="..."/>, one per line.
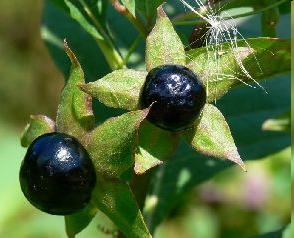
<point x="57" y="176"/>
<point x="177" y="94"/>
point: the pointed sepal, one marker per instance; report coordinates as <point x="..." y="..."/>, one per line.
<point x="115" y="199"/>
<point x="38" y="125"/>
<point x="244" y="62"/>
<point x="163" y="45"/>
<point x="212" y="136"/>
<point x="74" y="114"/>
<point x="77" y="222"/>
<point x="119" y="89"/>
<point x="145" y="161"/>
<point x="112" y="144"/>
<point x="155" y="145"/>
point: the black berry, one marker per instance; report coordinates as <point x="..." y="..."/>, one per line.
<point x="177" y="94"/>
<point x="57" y="176"/>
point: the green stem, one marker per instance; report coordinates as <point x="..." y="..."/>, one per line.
<point x="132" y="49"/>
<point x="181" y="20"/>
<point x="112" y="55"/>
<point x="138" y="24"/>
<point x="136" y="21"/>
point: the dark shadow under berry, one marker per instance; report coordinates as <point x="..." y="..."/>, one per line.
<point x="177" y="94"/>
<point x="57" y="176"/>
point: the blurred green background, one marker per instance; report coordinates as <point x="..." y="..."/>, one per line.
<point x="232" y="204"/>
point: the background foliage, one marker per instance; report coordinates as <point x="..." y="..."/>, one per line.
<point x="229" y="204"/>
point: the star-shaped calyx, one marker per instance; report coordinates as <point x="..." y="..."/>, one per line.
<point x="111" y="147"/>
<point x="122" y="88"/>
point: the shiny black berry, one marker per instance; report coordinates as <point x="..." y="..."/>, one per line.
<point x="177" y="94"/>
<point x="57" y="176"/>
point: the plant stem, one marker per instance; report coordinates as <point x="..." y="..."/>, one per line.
<point x="112" y="55"/>
<point x="181" y="19"/>
<point x="132" y="49"/>
<point x="136" y="21"/>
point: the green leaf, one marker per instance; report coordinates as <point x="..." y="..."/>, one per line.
<point x="112" y="144"/>
<point x="119" y="89"/>
<point x="97" y="31"/>
<point x="256" y="5"/>
<point x="163" y="45"/>
<point x="279" y="123"/>
<point x="274" y="234"/>
<point x="187" y="168"/>
<point x="261" y="57"/>
<point x="54" y="33"/>
<point x="37" y="126"/>
<point x="78" y="16"/>
<point x="114" y="198"/>
<point x="74" y="114"/>
<point x="86" y="53"/>
<point x="155" y="146"/>
<point x="77" y="222"/>
<point x="130" y="5"/>
<point x="212" y="136"/>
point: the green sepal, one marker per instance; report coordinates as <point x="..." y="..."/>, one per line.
<point x="74" y="114"/>
<point x="212" y="136"/>
<point x="119" y="89"/>
<point x="145" y="161"/>
<point x="260" y="57"/>
<point x="82" y="109"/>
<point x="163" y="45"/>
<point x="77" y="222"/>
<point x="115" y="199"/>
<point x="112" y="144"/>
<point x="38" y="125"/>
<point x="155" y="145"/>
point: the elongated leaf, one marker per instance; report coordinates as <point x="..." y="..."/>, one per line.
<point x="112" y="144"/>
<point x="74" y="114"/>
<point x="256" y="5"/>
<point x="37" y="126"/>
<point x="155" y="146"/>
<point x="54" y="33"/>
<point x="77" y="222"/>
<point x="279" y="123"/>
<point x="212" y="136"/>
<point x="254" y="59"/>
<point x="187" y="168"/>
<point x="115" y="199"/>
<point x="78" y="16"/>
<point x="119" y="89"/>
<point x="163" y="45"/>
<point x="112" y="56"/>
